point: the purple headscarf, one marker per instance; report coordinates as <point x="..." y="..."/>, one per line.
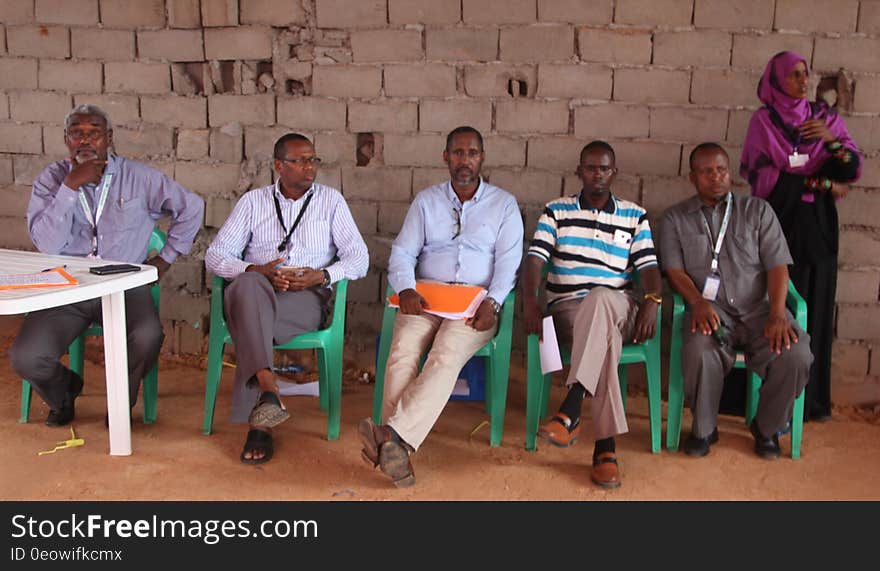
<point x="767" y="147"/>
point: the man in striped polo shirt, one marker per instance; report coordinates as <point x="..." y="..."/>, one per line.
<point x="282" y="247"/>
<point x="592" y="241"/>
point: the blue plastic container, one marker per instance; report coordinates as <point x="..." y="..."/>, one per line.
<point x="474" y="372"/>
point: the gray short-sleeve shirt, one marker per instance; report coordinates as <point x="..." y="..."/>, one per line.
<point x="754" y="243"/>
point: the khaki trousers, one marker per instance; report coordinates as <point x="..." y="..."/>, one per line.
<point x="412" y="401"/>
<point x="595" y="327"/>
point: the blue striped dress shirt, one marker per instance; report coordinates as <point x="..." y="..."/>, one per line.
<point x="252" y="233"/>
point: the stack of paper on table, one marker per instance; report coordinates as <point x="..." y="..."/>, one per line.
<point x="447" y="300"/>
<point x="51" y="278"/>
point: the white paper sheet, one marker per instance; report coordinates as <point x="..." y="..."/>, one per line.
<point x="298" y="389"/>
<point x="38" y="279"/>
<point x="462" y="388"/>
<point x="551" y="360"/>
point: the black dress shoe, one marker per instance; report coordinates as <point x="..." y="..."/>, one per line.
<point x="767" y="448"/>
<point x="698" y="447"/>
<point x="65" y="414"/>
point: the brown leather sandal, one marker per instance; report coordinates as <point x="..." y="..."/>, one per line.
<point x="389" y="455"/>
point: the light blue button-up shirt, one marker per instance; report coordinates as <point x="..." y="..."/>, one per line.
<point x="478" y="242"/>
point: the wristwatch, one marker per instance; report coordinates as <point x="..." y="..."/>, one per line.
<point x="496" y="307"/>
<point x="656" y="298"/>
<point x="326" y="278"/>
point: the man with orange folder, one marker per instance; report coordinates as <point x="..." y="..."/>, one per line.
<point x="461" y="231"/>
<point x="593" y="241"/>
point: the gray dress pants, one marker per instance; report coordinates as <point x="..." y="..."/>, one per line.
<point x="258" y="318"/>
<point x="705" y="363"/>
<point x="45" y="336"/>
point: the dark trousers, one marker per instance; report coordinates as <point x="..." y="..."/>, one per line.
<point x="817" y="284"/>
<point x="705" y="362"/>
<point x="45" y="336"/>
<point x="258" y="317"/>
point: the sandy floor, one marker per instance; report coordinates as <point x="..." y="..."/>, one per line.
<point x="172" y="460"/>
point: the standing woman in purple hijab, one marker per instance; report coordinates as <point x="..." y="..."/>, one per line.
<point x="797" y="155"/>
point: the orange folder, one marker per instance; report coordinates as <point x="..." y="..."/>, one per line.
<point x="451" y="301"/>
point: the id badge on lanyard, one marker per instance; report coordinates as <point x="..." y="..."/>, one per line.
<point x="103" y="190"/>
<point x="710" y="288"/>
<point x="713" y="280"/>
<point x="796" y="160"/>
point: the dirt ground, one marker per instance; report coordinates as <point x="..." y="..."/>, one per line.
<point x="172" y="460"/>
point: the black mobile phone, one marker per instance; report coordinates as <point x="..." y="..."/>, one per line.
<point x="114" y="269"/>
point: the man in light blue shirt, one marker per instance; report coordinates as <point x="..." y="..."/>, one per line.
<point x="100" y="205"/>
<point x="462" y="231"/>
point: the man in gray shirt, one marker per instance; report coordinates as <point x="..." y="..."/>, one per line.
<point x="98" y="205"/>
<point x="727" y="257"/>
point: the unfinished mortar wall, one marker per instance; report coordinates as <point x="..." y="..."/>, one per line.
<point x="201" y="90"/>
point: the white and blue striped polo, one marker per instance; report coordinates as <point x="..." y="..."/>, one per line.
<point x="589" y="247"/>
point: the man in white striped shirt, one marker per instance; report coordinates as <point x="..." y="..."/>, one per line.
<point x="593" y="241"/>
<point x="282" y="248"/>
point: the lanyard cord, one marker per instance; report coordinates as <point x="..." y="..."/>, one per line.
<point x="284" y="243"/>
<point x="722" y="231"/>
<point x="87" y="210"/>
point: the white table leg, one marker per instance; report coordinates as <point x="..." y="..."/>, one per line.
<point x="116" y="366"/>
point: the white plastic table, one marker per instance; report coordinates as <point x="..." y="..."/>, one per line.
<point x="111" y="291"/>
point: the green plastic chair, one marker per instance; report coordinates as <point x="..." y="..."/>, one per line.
<point x="798" y="307"/>
<point x="328" y="342"/>
<point x="77" y="354"/>
<point x="496" y="351"/>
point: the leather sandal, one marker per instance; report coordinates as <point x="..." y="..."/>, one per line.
<point x="605" y="472"/>
<point x="560" y="431"/>
<point x="370" y="450"/>
<point x="269" y="411"/>
<point x="381" y="450"/>
<point x="257" y="441"/>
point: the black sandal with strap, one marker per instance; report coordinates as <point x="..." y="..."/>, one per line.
<point x="257" y="441"/>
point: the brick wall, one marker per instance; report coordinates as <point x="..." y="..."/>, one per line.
<point x="201" y="89"/>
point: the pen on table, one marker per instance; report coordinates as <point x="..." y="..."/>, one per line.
<point x="64" y="267"/>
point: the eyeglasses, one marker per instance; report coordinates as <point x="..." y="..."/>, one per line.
<point x="91" y="136"/>
<point x="472" y="154"/>
<point x="457" y="223"/>
<point x="303" y="161"/>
